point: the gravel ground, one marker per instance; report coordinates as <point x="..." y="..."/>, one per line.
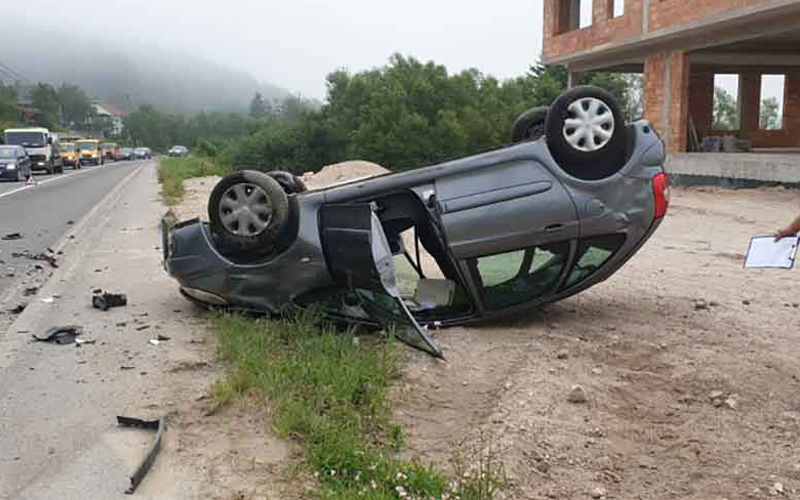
<point x="687" y="362"/>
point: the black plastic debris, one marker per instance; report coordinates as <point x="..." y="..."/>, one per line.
<point x="157" y="425"/>
<point x="105" y="301"/>
<point x="18" y="308"/>
<point x="61" y="335"/>
<point x="12" y="236"/>
<point x="50" y="259"/>
<point x="31" y="290"/>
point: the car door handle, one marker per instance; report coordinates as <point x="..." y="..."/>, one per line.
<point x="552" y="228"/>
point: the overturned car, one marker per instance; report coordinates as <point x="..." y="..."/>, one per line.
<point x="562" y="208"/>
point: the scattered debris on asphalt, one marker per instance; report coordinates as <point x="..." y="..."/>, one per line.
<point x="12" y="236"/>
<point x="49" y="300"/>
<point x="143" y="327"/>
<point x="61" y="335"/>
<point x="157" y="425"/>
<point x="80" y="342"/>
<point x="50" y="259"/>
<point x="105" y="301"/>
<point x="18" y="308"/>
<point x="31" y="290"/>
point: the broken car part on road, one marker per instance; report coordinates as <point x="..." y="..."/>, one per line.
<point x="61" y="335"/>
<point x="157" y="425"/>
<point x="105" y="301"/>
<point x="561" y="209"/>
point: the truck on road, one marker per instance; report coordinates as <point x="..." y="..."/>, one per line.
<point x="41" y="145"/>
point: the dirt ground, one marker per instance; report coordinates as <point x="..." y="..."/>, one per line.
<point x="688" y="363"/>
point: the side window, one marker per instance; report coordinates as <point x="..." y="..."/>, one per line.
<point x="516" y="277"/>
<point x="592" y="254"/>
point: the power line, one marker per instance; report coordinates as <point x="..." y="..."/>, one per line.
<point x="6" y="69"/>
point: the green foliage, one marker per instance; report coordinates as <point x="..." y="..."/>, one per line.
<point x="259" y="107"/>
<point x="45" y="101"/>
<point x="75" y="104"/>
<point x="173" y="171"/>
<point x="770" y="118"/>
<point x="328" y="390"/>
<point x="410" y="114"/>
<point x="9" y="111"/>
<point x="726" y="110"/>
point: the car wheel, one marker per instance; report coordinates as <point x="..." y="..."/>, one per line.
<point x="529" y="126"/>
<point x="290" y="183"/>
<point x="585" y="133"/>
<point x="248" y="211"/>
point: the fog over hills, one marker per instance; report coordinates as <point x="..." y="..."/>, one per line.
<point x="128" y="74"/>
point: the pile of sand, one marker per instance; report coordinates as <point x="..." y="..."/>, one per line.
<point x="342" y="172"/>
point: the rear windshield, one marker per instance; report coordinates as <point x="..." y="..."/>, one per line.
<point x="8" y="153"/>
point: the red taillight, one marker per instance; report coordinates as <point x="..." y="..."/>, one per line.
<point x="661" y="194"/>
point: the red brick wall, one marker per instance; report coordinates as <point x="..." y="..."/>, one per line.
<point x="789" y="135"/>
<point x="655" y="93"/>
<point x="603" y="30"/>
<point x="665" y="13"/>
<point x="662" y="14"/>
<point x="701" y="100"/>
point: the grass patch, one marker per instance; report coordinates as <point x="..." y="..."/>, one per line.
<point x="328" y="390"/>
<point x="173" y="171"/>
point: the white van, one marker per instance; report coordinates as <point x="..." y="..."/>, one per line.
<point x="41" y="145"/>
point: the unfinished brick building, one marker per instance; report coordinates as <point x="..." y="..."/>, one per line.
<point x="681" y="46"/>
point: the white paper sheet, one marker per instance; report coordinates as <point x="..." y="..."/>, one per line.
<point x="764" y="251"/>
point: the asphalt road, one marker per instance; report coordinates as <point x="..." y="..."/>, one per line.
<point x="42" y="214"/>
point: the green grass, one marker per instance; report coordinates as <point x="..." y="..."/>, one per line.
<point x="173" y="171"/>
<point x="328" y="391"/>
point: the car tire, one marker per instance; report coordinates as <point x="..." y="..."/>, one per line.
<point x="529" y="126"/>
<point x="586" y="134"/>
<point x="290" y="183"/>
<point x="264" y="211"/>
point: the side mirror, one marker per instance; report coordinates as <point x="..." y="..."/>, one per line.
<point x="49" y="140"/>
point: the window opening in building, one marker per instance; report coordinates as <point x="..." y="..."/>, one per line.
<point x="619" y="8"/>
<point x="726" y="101"/>
<point x="586" y="7"/>
<point x="770" y="114"/>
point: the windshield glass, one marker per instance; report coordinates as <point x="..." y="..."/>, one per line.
<point x="88" y="146"/>
<point x="67" y="148"/>
<point x="27" y="139"/>
<point x="8" y="153"/>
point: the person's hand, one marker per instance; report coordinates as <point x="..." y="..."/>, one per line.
<point x="784" y="232"/>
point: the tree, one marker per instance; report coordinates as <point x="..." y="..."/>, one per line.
<point x="75" y="104"/>
<point x="726" y="110"/>
<point x="9" y="111"/>
<point x="45" y="102"/>
<point x="770" y="118"/>
<point x="258" y="107"/>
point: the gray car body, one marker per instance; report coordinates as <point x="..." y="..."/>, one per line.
<point x="496" y="202"/>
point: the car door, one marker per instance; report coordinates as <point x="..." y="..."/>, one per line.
<point x="512" y="226"/>
<point x="359" y="258"/>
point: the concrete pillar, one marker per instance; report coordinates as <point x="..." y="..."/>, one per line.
<point x="666" y="97"/>
<point x="573" y="78"/>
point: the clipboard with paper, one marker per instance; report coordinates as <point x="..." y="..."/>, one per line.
<point x="765" y="252"/>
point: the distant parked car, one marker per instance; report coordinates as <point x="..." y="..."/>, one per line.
<point x="178" y="151"/>
<point x="141" y="154"/>
<point x="14" y="163"/>
<point x="126" y="154"/>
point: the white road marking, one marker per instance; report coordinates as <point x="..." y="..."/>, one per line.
<point x="39" y="183"/>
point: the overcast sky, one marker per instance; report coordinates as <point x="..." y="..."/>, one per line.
<point x="296" y="43"/>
